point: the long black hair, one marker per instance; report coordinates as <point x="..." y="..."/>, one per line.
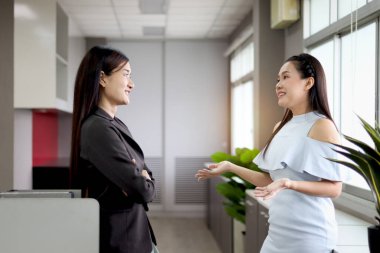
<point x="308" y="66"/>
<point x="86" y="95"/>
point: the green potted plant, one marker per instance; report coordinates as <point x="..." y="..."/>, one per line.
<point x="234" y="187"/>
<point x="366" y="162"/>
<point x="233" y="190"/>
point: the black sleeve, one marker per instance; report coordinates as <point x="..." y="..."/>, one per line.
<point x="102" y="146"/>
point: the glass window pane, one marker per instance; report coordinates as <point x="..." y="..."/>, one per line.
<point x="325" y="54"/>
<point x="358" y="81"/>
<point x="333" y="11"/>
<point x="306" y="18"/>
<point x="242" y="116"/>
<point x="319" y="15"/>
<point x="242" y="62"/>
<point x="346" y="7"/>
<point x="234" y="68"/>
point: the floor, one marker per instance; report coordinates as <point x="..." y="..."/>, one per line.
<point x="184" y="235"/>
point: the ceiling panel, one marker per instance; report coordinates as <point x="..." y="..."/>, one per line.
<point x="183" y="18"/>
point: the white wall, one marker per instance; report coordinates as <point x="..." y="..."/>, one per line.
<point x="76" y="51"/>
<point x="269" y="57"/>
<point x="294" y="38"/>
<point x="144" y="114"/>
<point x="179" y="107"/>
<point x="196" y="104"/>
<point x="196" y="99"/>
<point x="23" y="149"/>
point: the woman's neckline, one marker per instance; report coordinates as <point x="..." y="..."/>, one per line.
<point x="304" y="117"/>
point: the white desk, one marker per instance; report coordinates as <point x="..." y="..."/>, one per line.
<point x="49" y="225"/>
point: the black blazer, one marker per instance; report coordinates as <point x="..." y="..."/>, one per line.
<point x="110" y="170"/>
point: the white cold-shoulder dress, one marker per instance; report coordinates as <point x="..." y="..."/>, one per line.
<point x="298" y="222"/>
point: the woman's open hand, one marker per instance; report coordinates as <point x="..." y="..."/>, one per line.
<point x="269" y="191"/>
<point x="213" y="170"/>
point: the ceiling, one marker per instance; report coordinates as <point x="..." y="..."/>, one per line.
<point x="145" y="19"/>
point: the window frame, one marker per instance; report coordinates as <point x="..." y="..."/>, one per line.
<point x="242" y="79"/>
<point x="369" y="13"/>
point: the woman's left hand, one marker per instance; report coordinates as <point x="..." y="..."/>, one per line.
<point x="269" y="191"/>
<point x="145" y="174"/>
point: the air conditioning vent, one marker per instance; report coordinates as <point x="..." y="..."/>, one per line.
<point x="155" y="165"/>
<point x="284" y="13"/>
<point x="187" y="188"/>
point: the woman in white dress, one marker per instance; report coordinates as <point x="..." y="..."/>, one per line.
<point x="296" y="173"/>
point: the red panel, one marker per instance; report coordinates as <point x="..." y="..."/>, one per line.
<point x="45" y="137"/>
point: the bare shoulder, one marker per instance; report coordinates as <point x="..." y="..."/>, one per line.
<point x="324" y="130"/>
<point x="276" y="126"/>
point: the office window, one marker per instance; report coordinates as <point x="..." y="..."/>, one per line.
<point x="242" y="116"/>
<point x="242" y="97"/>
<point x="355" y="93"/>
<point x="358" y="85"/>
<point x="324" y="53"/>
<point x="319" y="19"/>
<point x="346" y="7"/>
<point x="242" y="62"/>
<point x="333" y="10"/>
<point x="352" y="44"/>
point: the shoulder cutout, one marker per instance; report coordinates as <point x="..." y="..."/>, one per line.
<point x="324" y="130"/>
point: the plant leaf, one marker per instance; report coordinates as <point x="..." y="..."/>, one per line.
<point x="366" y="148"/>
<point x="248" y="155"/>
<point x="234" y="191"/>
<point x="234" y="194"/>
<point x="239" y="151"/>
<point x="366" y="170"/>
<point x="353" y="167"/>
<point x="363" y="167"/>
<point x="233" y="211"/>
<point x="220" y="156"/>
<point x="253" y="166"/>
<point x="228" y="175"/>
<point x="375" y="178"/>
<point x="373" y="133"/>
<point x="366" y="163"/>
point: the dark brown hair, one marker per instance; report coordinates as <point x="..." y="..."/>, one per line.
<point x="86" y="95"/>
<point x="308" y="66"/>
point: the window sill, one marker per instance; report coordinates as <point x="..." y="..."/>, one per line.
<point x="357" y="207"/>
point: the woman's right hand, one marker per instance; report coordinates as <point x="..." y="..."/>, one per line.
<point x="213" y="170"/>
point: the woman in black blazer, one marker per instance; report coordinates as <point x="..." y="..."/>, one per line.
<point x="106" y="162"/>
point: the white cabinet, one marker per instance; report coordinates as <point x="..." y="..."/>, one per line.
<point x="256" y="222"/>
<point x="219" y="222"/>
<point x="41" y="45"/>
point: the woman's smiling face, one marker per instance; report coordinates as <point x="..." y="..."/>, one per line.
<point x="118" y="85"/>
<point x="292" y="91"/>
